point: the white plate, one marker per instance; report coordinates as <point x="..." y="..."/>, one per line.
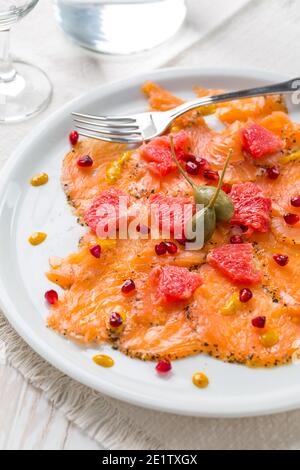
<point x="234" y="390"/>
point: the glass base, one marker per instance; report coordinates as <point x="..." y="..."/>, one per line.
<point x="26" y="95"/>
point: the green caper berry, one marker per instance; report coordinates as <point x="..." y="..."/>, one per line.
<point x="223" y="206"/>
<point x="210" y="221"/>
<point x="206" y="216"/>
<point x="208" y="213"/>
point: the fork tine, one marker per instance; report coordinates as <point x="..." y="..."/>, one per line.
<point x="118" y="140"/>
<point x="119" y="132"/>
<point x="8" y="14"/>
<point x="7" y="21"/>
<point x="121" y="119"/>
<point x="106" y="125"/>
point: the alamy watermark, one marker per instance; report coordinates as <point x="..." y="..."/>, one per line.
<point x="296" y="94"/>
<point x="151" y="221"/>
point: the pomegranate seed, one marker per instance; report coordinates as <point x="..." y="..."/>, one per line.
<point x="85" y="162"/>
<point x="245" y="295"/>
<point x="202" y="163"/>
<point x="282" y="260"/>
<point x="181" y="241"/>
<point x="188" y="157"/>
<point x="128" y="286"/>
<point x="161" y="248"/>
<point x="295" y="201"/>
<point x="226" y="187"/>
<point x="115" y="320"/>
<point x="96" y="251"/>
<point x="236" y="240"/>
<point x="171" y="248"/>
<point x="192" y="168"/>
<point x="291" y="219"/>
<point x="259" y="322"/>
<point x="163" y="366"/>
<point x="51" y="297"/>
<point x="211" y="175"/>
<point x="73" y="137"/>
<point x="273" y="172"/>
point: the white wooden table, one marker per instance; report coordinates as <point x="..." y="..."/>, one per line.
<point x="240" y="33"/>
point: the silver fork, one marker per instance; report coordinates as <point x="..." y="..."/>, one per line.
<point x="145" y="126"/>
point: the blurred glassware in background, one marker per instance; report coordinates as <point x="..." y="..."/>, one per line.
<point x="120" y="26"/>
<point x="25" y="90"/>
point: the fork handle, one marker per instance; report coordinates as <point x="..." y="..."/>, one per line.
<point x="285" y="87"/>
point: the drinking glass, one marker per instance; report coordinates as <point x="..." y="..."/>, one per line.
<point x="25" y="89"/>
<point x="120" y="26"/>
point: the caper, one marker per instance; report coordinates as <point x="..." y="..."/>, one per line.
<point x="205" y="218"/>
<point x="223" y="206"/>
<point x="216" y="203"/>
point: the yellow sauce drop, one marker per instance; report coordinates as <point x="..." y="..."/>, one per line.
<point x="293" y="157"/>
<point x="107" y="243"/>
<point x="269" y="339"/>
<point x="231" y="306"/>
<point x="207" y="110"/>
<point x="200" y="380"/>
<point x="114" y="170"/>
<point x="123" y="315"/>
<point x="39" y="179"/>
<point x="175" y="129"/>
<point x="103" y="360"/>
<point x="37" y="238"/>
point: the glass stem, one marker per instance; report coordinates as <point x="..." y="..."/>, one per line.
<point x="7" y="71"/>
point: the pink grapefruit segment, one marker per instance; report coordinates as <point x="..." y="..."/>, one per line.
<point x="236" y="263"/>
<point x="174" y="284"/>
<point x="259" y="142"/>
<point x="251" y="207"/>
<point x="159" y="156"/>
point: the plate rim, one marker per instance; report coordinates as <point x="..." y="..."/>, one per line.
<point x="271" y="405"/>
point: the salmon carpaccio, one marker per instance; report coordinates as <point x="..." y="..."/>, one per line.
<point x="92" y="286"/>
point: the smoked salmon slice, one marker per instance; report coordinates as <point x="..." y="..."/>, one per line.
<point x="161" y="99"/>
<point x="280" y="124"/>
<point x="281" y="281"/>
<point x="84" y="276"/>
<point x="244" y="109"/>
<point x="233" y="338"/>
<point x="186" y="302"/>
